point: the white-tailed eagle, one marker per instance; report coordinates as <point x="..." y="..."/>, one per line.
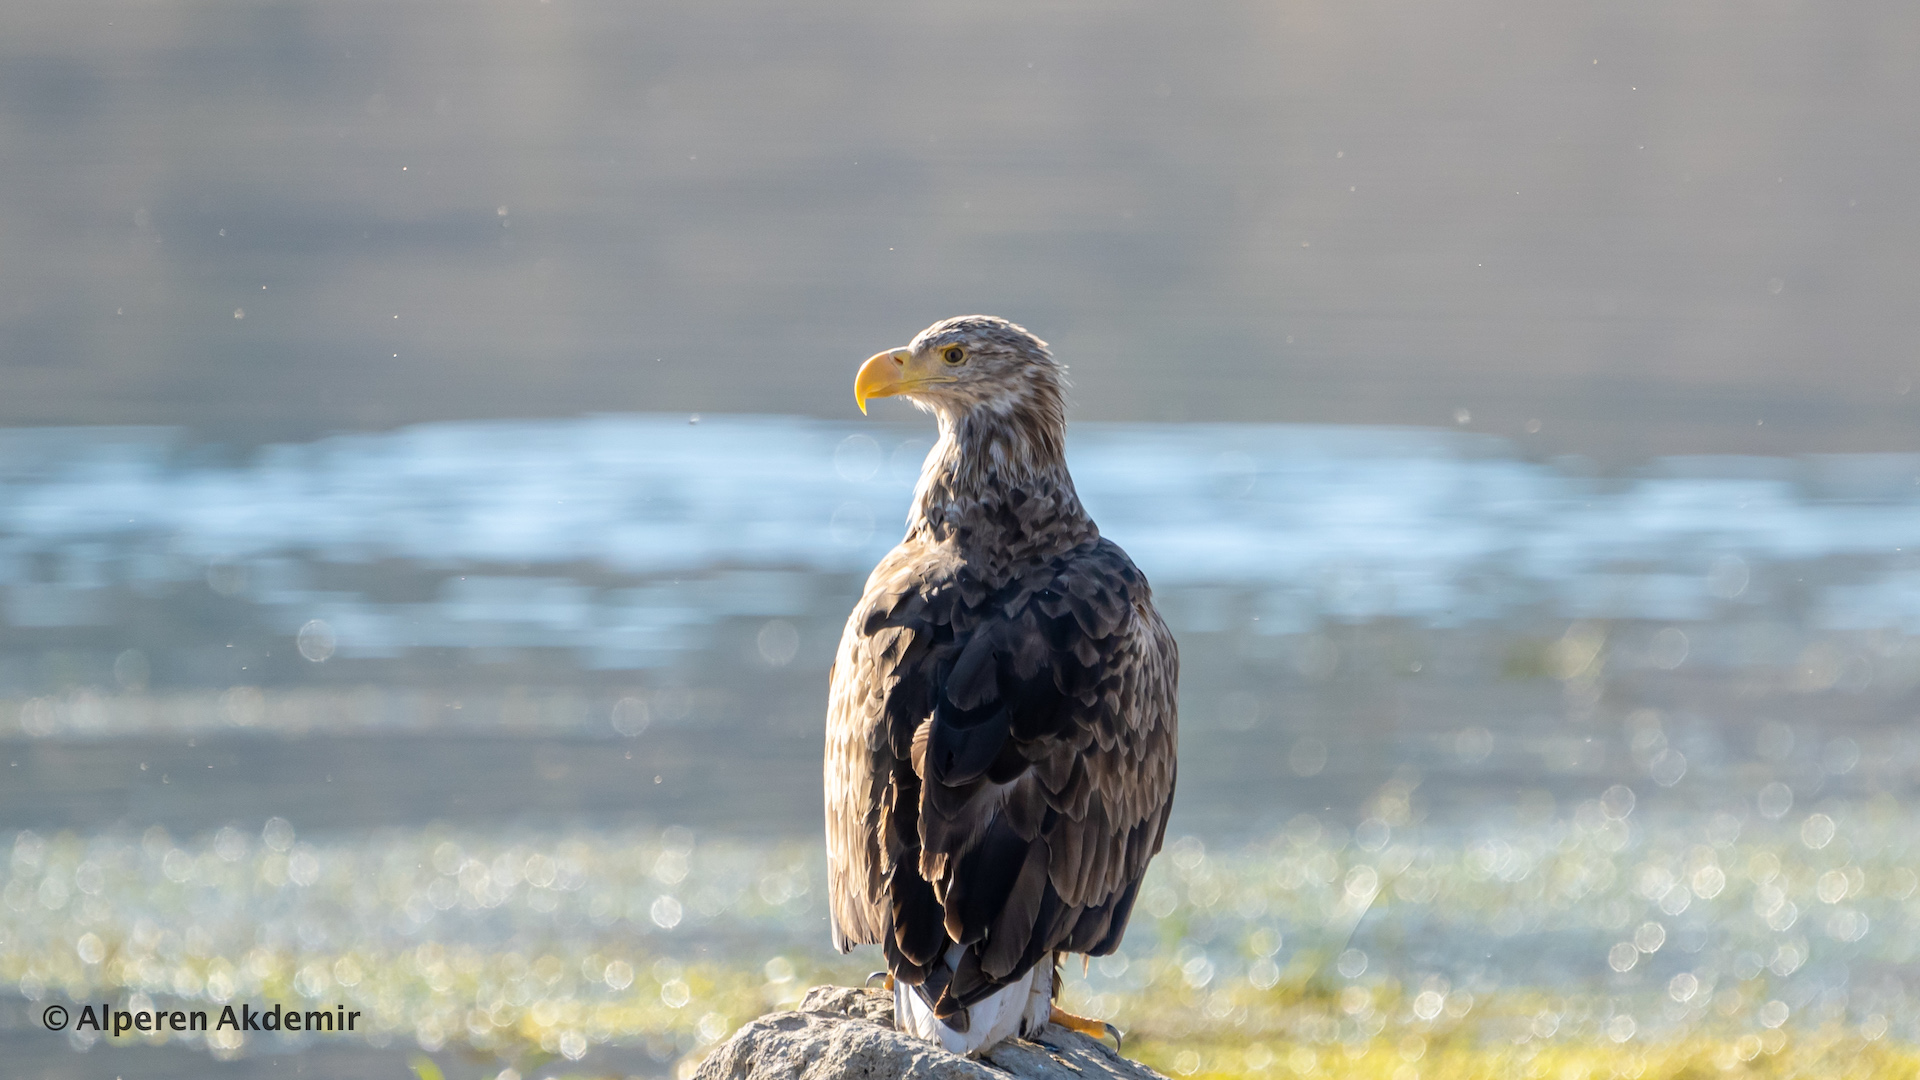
<point x="1001" y="730"/>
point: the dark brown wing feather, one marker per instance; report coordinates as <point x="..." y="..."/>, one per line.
<point x="1000" y="763"/>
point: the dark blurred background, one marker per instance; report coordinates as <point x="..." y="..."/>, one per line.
<point x="1642" y="227"/>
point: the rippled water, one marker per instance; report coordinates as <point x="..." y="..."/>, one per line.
<point x="534" y="709"/>
<point x="1320" y="524"/>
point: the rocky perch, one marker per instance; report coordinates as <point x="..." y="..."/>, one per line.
<point x="840" y="1033"/>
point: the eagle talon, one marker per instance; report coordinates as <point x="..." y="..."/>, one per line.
<point x="887" y="975"/>
<point x="1085" y="1025"/>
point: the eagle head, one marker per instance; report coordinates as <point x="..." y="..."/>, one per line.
<point x="964" y="365"/>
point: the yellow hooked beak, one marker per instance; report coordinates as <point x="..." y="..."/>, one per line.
<point x="895" y="371"/>
<point x="883" y="375"/>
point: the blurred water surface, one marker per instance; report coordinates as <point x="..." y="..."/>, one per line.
<point x="1614" y="229"/>
<point x="519" y="691"/>
<point x="666" y="578"/>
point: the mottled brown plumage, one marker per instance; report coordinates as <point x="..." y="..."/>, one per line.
<point x="1001" y="730"/>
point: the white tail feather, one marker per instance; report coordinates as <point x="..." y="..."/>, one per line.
<point x="1020" y="1008"/>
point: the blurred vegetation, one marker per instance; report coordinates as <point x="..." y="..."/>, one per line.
<point x="1606" y="943"/>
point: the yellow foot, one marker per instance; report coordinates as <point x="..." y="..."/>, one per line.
<point x="1085" y="1025"/>
<point x="888" y="975"/>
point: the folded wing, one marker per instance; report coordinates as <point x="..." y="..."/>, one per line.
<point x="1000" y="765"/>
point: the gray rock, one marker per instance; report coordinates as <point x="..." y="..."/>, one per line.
<point x="843" y="1033"/>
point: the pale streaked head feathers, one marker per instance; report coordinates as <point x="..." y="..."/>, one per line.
<point x="1006" y="370"/>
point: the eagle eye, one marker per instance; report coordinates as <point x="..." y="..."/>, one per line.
<point x="953" y="354"/>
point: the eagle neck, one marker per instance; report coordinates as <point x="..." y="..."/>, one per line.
<point x="996" y="488"/>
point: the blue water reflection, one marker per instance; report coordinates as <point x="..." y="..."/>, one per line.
<point x="526" y="524"/>
<point x="1351" y="602"/>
